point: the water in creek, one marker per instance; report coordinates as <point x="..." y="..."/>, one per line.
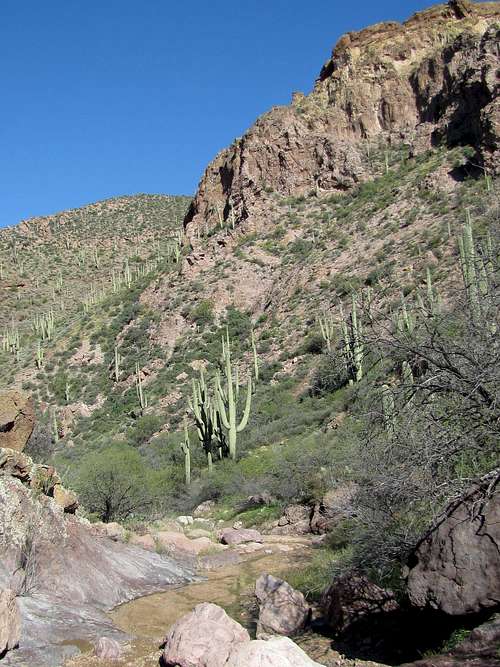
<point x="149" y="618"/>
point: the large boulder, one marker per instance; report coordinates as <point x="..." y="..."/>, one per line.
<point x="234" y="536"/>
<point x="352" y="600"/>
<point x="10" y="621"/>
<point x="108" y="649"/>
<point x="282" y="610"/>
<point x="17" y="419"/>
<point x="456" y="567"/>
<point x="294" y="521"/>
<point x="335" y="506"/>
<point x="203" y="638"/>
<point x="275" y="652"/>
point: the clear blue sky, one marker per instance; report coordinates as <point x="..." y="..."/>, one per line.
<point x="109" y="97"/>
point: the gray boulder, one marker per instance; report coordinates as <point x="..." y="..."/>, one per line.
<point x="456" y="566"/>
<point x="274" y="652"/>
<point x="282" y="610"/>
<point x="234" y="536"/>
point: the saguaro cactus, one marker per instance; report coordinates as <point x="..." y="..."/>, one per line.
<point x="204" y="417"/>
<point x="227" y="399"/>
<point x="117" y="361"/>
<point x="186" y="448"/>
<point x="327" y="328"/>
<point x="141" y="395"/>
<point x="353" y="348"/>
<point x="255" y="358"/>
<point x="477" y="268"/>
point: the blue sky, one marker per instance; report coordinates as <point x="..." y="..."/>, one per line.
<point x="109" y="97"/>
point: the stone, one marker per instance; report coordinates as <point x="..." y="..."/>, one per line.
<point x="10" y="621"/>
<point x="456" y="567"/>
<point x="17" y="419"/>
<point x="185" y="520"/>
<point x="203" y="638"/>
<point x="204" y="509"/>
<point x="335" y="506"/>
<point x="274" y="652"/>
<point x="143" y="541"/>
<point x="173" y="542"/>
<point x="231" y="536"/>
<point x="71" y="575"/>
<point x="250" y="547"/>
<point x="352" y="599"/>
<point x="16" y="464"/>
<point x="218" y="561"/>
<point x="66" y="499"/>
<point x="113" y="530"/>
<point x="282" y="610"/>
<point x="194" y="533"/>
<point x="108" y="649"/>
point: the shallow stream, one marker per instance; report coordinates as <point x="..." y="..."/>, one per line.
<point x="149" y="618"/>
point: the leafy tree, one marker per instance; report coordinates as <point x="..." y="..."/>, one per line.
<point x="114" y="483"/>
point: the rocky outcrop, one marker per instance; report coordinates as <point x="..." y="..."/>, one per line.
<point x="352" y="600"/>
<point x="456" y="566"/>
<point x="10" y="621"/>
<point x="282" y="610"/>
<point x="432" y="79"/>
<point x="207" y="637"/>
<point x="68" y="575"/>
<point x="17" y="419"/>
<point x="335" y="506"/>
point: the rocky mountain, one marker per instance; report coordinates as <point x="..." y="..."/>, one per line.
<point x="345" y="250"/>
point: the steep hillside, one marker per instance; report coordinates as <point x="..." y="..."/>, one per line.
<point x="364" y="183"/>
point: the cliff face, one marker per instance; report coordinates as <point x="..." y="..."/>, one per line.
<point x="433" y="79"/>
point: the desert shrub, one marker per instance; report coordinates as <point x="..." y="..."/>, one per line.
<point x="330" y="375"/>
<point x="203" y="313"/>
<point x="114" y="483"/>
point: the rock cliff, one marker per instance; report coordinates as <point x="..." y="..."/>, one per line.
<point x="433" y="79"/>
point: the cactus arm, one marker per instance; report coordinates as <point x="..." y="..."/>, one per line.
<point x="248" y="405"/>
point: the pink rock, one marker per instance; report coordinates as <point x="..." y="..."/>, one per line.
<point x="10" y="621"/>
<point x="274" y="652"/>
<point x="108" y="649"/>
<point x="171" y="542"/>
<point x="144" y="541"/>
<point x="232" y="536"/>
<point x="203" y="638"/>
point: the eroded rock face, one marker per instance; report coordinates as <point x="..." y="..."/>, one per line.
<point x="430" y="79"/>
<point x="10" y="621"/>
<point x="17" y="419"/>
<point x="282" y="610"/>
<point x="335" y="506"/>
<point x="352" y="600"/>
<point x="456" y="567"/>
<point x="203" y="638"/>
<point x="67" y="575"/>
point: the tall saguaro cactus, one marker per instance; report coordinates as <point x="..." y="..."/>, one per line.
<point x="141" y="395"/>
<point x="477" y="268"/>
<point x="353" y="348"/>
<point x="186" y="448"/>
<point x="327" y="328"/>
<point x="227" y="398"/>
<point x="204" y="417"/>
